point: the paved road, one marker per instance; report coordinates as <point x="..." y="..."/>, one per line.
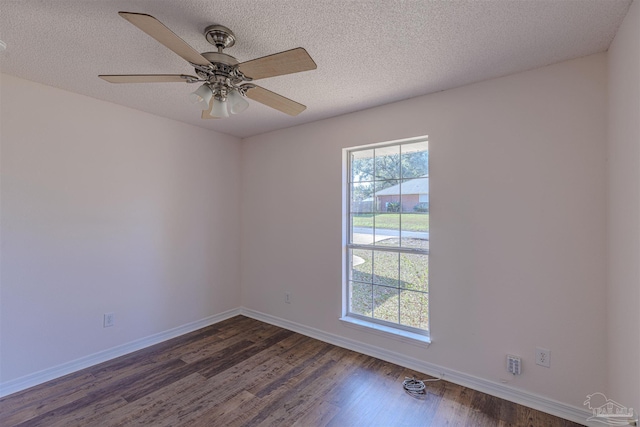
<point x="395" y="233"/>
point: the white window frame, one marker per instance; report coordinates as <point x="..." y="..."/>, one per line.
<point x="369" y="324"/>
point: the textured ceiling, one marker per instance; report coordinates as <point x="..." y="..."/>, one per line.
<point x="368" y="53"/>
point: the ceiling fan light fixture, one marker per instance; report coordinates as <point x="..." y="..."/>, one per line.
<point x="237" y="103"/>
<point x="219" y="108"/>
<point x="201" y="96"/>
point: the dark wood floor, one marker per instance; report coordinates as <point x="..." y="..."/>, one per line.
<point x="245" y="372"/>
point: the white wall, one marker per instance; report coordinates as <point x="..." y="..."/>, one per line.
<point x="518" y="245"/>
<point x="108" y="209"/>
<point x="624" y="212"/>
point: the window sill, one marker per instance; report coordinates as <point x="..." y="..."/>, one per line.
<point x="386" y="331"/>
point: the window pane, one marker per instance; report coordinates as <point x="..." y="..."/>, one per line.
<point x="361" y="219"/>
<point x="361" y="265"/>
<point x="415" y="222"/>
<point x="415" y="242"/>
<point x="385" y="303"/>
<point x="361" y="166"/>
<point x="414" y="272"/>
<point x="360" y="298"/>
<point x="414" y="309"/>
<point x="387" y="163"/>
<point x="415" y="160"/>
<point x="385" y="268"/>
<point x="387" y="229"/>
<point x="362" y="200"/>
<point x="387" y="218"/>
<point x="387" y="196"/>
<point x="415" y="214"/>
<point x="415" y="195"/>
<point x="361" y="231"/>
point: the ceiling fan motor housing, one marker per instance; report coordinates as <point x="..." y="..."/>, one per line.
<point x="223" y="75"/>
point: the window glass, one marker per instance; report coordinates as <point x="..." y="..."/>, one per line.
<point x="388" y="244"/>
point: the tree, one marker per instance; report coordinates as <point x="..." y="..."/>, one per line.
<point x="386" y="170"/>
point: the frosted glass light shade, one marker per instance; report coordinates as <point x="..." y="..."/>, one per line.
<point x="237" y="103"/>
<point x="201" y="97"/>
<point x="219" y="108"/>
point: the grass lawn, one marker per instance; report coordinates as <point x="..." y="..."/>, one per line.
<point x="391" y="286"/>
<point x="410" y="221"/>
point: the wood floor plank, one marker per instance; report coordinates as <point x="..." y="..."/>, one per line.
<point x="381" y="400"/>
<point x="213" y="369"/>
<point x="243" y="372"/>
<point x="205" y="407"/>
<point x="482" y="410"/>
<point x="150" y="383"/>
<point x="349" y="388"/>
<point x="453" y="407"/>
<point x="282" y="398"/>
<point x="311" y="356"/>
<point x="204" y="349"/>
<point x="304" y="390"/>
<point x="46" y="396"/>
<point x="224" y="388"/>
<point x="210" y="417"/>
<point x="157" y="408"/>
<point x="318" y="416"/>
<point x="23" y="406"/>
<point x="87" y="415"/>
<point x="403" y="410"/>
<point x="293" y="404"/>
<point x="74" y="414"/>
<point x="247" y="374"/>
<point x="508" y="412"/>
<point x="364" y="392"/>
<point x="96" y="392"/>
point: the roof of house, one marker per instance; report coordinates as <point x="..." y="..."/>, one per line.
<point x="414" y="186"/>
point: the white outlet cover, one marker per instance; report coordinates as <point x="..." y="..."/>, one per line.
<point x="543" y="357"/>
<point x="109" y="320"/>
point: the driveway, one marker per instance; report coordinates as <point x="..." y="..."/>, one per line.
<point x="391" y="233"/>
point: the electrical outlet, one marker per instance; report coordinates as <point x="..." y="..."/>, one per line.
<point x="287" y="297"/>
<point x="543" y="357"/>
<point x="514" y="364"/>
<point x="109" y="320"/>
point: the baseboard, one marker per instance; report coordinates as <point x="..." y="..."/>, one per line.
<point x="531" y="400"/>
<point x="22" y="383"/>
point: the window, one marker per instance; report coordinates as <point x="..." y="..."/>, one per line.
<point x="387" y="277"/>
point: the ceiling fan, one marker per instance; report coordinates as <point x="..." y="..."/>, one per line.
<point x="225" y="80"/>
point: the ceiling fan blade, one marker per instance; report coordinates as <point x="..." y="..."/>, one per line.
<point x="273" y="100"/>
<point x="287" y="62"/>
<point x="146" y="78"/>
<point x="164" y="35"/>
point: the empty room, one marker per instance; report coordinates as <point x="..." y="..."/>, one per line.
<point x="219" y="213"/>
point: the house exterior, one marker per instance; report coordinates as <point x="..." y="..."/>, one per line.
<point x="408" y="194"/>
